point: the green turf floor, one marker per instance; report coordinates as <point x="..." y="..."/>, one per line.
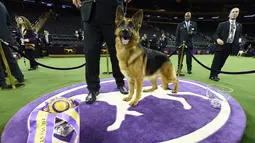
<point x="43" y="81"/>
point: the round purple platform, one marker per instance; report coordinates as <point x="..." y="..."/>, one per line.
<point x="159" y="117"/>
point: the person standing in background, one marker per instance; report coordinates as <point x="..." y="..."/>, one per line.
<point x="28" y="39"/>
<point x="145" y="41"/>
<point x="227" y="39"/>
<point x="154" y="43"/>
<point x="163" y="43"/>
<point x="185" y="31"/>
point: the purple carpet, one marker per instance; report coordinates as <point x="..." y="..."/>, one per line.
<point x="162" y="120"/>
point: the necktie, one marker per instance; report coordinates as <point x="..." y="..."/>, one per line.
<point x="232" y="31"/>
<point x="231" y="36"/>
<point x="187" y="26"/>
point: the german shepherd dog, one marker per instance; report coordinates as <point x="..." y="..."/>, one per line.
<point x="138" y="63"/>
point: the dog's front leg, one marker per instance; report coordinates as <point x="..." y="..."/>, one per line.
<point x="131" y="85"/>
<point x="139" y="86"/>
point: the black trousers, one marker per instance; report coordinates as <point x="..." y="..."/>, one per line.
<point x="162" y="48"/>
<point x="31" y="54"/>
<point x="220" y="58"/>
<point x="188" y="57"/>
<point x="95" y="33"/>
<point x="14" y="67"/>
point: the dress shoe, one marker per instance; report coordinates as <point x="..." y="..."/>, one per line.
<point x="123" y="89"/>
<point x="214" y="78"/>
<point x="189" y="72"/>
<point x="91" y="98"/>
<point x="20" y="80"/>
<point x="3" y="86"/>
<point x="31" y="69"/>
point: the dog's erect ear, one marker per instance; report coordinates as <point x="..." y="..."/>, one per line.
<point x="119" y="15"/>
<point x="138" y="18"/>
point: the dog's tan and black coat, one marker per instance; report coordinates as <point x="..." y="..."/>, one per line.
<point x="138" y="63"/>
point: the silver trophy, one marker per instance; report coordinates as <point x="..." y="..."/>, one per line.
<point x="62" y="128"/>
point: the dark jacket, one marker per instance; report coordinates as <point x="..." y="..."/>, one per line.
<point x="163" y="44"/>
<point x="29" y="34"/>
<point x="182" y="33"/>
<point x="222" y="32"/>
<point x="145" y="42"/>
<point x="4" y="23"/>
<point x="102" y="11"/>
<point x="154" y="43"/>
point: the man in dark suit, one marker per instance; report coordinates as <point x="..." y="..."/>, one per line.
<point x="163" y="43"/>
<point x="154" y="43"/>
<point x="185" y="32"/>
<point x="98" y="18"/>
<point x="227" y="39"/>
<point x="6" y="36"/>
<point x="145" y="41"/>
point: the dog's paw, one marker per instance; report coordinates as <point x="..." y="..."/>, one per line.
<point x="149" y="90"/>
<point x="133" y="103"/>
<point x="146" y="90"/>
<point x="126" y="99"/>
<point x="174" y="91"/>
<point x="166" y="88"/>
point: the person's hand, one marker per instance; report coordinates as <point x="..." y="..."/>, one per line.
<point x="77" y="3"/>
<point x="190" y="33"/>
<point x="220" y="42"/>
<point x="128" y="1"/>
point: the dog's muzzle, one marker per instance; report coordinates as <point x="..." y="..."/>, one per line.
<point x="126" y="36"/>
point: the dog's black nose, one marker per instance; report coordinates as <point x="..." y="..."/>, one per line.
<point x="124" y="31"/>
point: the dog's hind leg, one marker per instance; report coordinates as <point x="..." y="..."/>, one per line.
<point x="154" y="85"/>
<point x="164" y="82"/>
<point x="168" y="72"/>
<point x="139" y="86"/>
<point x="131" y="85"/>
<point x="176" y="86"/>
<point x="172" y="79"/>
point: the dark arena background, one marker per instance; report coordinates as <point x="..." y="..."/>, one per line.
<point x="205" y="109"/>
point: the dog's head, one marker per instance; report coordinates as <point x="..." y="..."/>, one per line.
<point x="127" y="29"/>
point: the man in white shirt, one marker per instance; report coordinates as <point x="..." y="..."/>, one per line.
<point x="227" y="39"/>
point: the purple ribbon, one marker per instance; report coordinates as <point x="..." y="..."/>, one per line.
<point x="50" y="124"/>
